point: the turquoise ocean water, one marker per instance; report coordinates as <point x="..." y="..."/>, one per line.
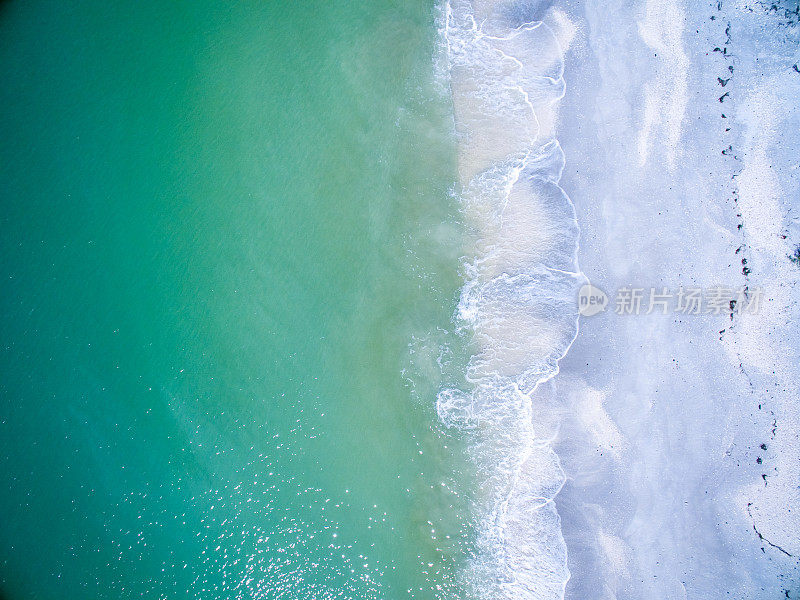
<point x="229" y="261"/>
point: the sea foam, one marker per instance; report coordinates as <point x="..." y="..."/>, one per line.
<point x="505" y="72"/>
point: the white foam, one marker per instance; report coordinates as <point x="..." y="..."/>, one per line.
<point x="519" y="299"/>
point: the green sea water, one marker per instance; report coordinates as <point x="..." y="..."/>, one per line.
<point x="229" y="260"/>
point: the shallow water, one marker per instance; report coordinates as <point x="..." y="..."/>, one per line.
<point x="229" y="248"/>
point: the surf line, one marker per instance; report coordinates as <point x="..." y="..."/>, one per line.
<point x="518" y="303"/>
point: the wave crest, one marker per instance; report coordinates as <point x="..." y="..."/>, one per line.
<point x="505" y="74"/>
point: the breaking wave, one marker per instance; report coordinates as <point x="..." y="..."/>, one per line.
<point x="504" y="67"/>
